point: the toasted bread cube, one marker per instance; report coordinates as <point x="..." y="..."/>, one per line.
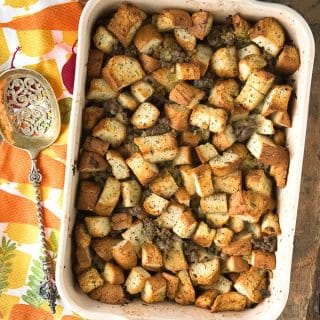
<point x="157" y="148"/>
<point x="268" y="34"/>
<point x="154" y="289"/>
<point x="248" y="284"/>
<point x="186" y="225"/>
<point x="174" y="259"/>
<point x="110" y="130"/>
<point x="83" y="257"/>
<point x="236" y="264"/>
<point x="147" y="39"/>
<point x="91" y="115"/>
<point x="155" y="204"/>
<point x="121" y="71"/>
<point x="279" y="137"/>
<point x="185" y="293"/>
<point x="206" y="152"/>
<point x="125" y="23"/>
<point x="221" y="284"/>
<point x="169" y="19"/>
<point x="149" y="64"/>
<point x="203" y="180"/>
<point x="151" y="257"/>
<point x="186" y="95"/>
<point x="248" y="99"/>
<point x="95" y="145"/>
<point x="143" y="170"/>
<point x="280" y="171"/>
<point x="228" y="184"/>
<point x="91" y="162"/>
<point x="136" y="235"/>
<point x="166" y="76"/>
<point x="145" y="116"/>
<point x="205" y="299"/>
<point x="204" y="235"/>
<point x="169" y="218"/>
<point x="104" y="40"/>
<point x="225" y="164"/>
<point x="281" y="119"/>
<point x="247" y="205"/>
<point x="240" y="247"/>
<point x="249" y="64"/>
<point x="136" y="280"/>
<point x="102" y="247"/>
<point x="240" y="149"/>
<point x="109" y="293"/>
<point x="188" y="180"/>
<point x="224" y="62"/>
<point x="216" y="203"/>
<point x="188" y="71"/>
<point x="121" y="220"/>
<point x="89" y="280"/>
<point x="95" y="60"/>
<point x="202" y="22"/>
<point x="277" y="99"/>
<point x="270" y="224"/>
<point x="261" y="81"/>
<point x="100" y="90"/>
<point x="185" y="39"/>
<point x="142" y="90"/>
<point x="127" y="101"/>
<point x="98" y="227"/>
<point x="190" y="138"/>
<point x="178" y="116"/>
<point x="288" y="60"/>
<point x="77" y="269"/>
<point x="240" y="26"/>
<point x="263" y="259"/>
<point x="82" y="237"/>
<point x="217" y="219"/>
<point x="202" y="57"/>
<point x="124" y="254"/>
<point x="218" y="120"/>
<point x="109" y="197"/>
<point x="224" y="140"/>
<point x="257" y="181"/>
<point x="248" y="50"/>
<point x="165" y="185"/>
<point x="172" y="284"/>
<point x="230" y="301"/>
<point x="131" y="193"/>
<point x="119" y="167"/>
<point x="113" y="274"/>
<point x="255" y="230"/>
<point x="88" y="195"/>
<point x="203" y="273"/>
<point x="236" y="224"/>
<point x="182" y="196"/>
<point x="223" y="93"/>
<point x="183" y="157"/>
<point x="223" y="237"/>
<point x="263" y="125"/>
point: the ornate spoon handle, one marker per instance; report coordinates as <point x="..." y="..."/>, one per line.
<point x="48" y="290"/>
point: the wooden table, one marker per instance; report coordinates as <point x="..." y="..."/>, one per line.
<point x="304" y="298"/>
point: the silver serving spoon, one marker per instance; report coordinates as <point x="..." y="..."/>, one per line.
<point x="30" y="120"/>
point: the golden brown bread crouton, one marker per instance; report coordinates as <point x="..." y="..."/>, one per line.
<point x="172" y="284"/>
<point x="248" y="50"/>
<point x="279" y="137"/>
<point x="104" y="40"/>
<point x="288" y="60"/>
<point x="280" y="171"/>
<point x="240" y="26"/>
<point x="186" y="225"/>
<point x="183" y="157"/>
<point x="88" y="195"/>
<point x="188" y="71"/>
<point x="203" y="273"/>
<point x="174" y="259"/>
<point x="164" y="185"/>
<point x="268" y="34"/>
<point x="124" y="254"/>
<point x="83" y="257"/>
<point x="248" y="99"/>
<point x="91" y="162"/>
<point x="261" y="81"/>
<point x="189" y="138"/>
<point x="182" y="196"/>
<point x="217" y="219"/>
<point x="262" y="124"/>
<point x="206" y="152"/>
<point x="125" y="23"/>
<point x="98" y="227"/>
<point x="169" y="19"/>
<point x="223" y="237"/>
<point x="166" y="76"/>
<point x="225" y="164"/>
<point x="202" y="22"/>
<point x="136" y="235"/>
<point x="239" y="247"/>
<point x="91" y="115"/>
<point x="102" y="247"/>
<point x="100" y="90"/>
<point x="82" y="237"/>
<point x="256" y="180"/>
<point x="203" y="180"/>
<point x="236" y="264"/>
<point x="109" y="197"/>
<point x="131" y="193"/>
<point x="221" y="284"/>
<point x="249" y="64"/>
<point x="216" y="203"/>
<point x="224" y="62"/>
<point x="263" y="259"/>
<point x="149" y="63"/>
<point x="188" y="180"/>
<point x="185" y="293"/>
<point x="168" y="219"/>
<point x="113" y="274"/>
<point x="136" y="280"/>
<point x="204" y="235"/>
<point x="205" y="299"/>
<point x="186" y="95"/>
<point x="147" y="39"/>
<point x="281" y="119"/>
<point x="144" y="170"/>
<point x="229" y="184"/>
<point x="230" y="301"/>
<point x="154" y="289"/>
<point x="145" y="116"/>
<point x="202" y="57"/>
<point x="127" y="101"/>
<point x="142" y="90"/>
<point x="151" y="257"/>
<point x="270" y="224"/>
<point x="95" y="145"/>
<point x="89" y="280"/>
<point x="248" y="205"/>
<point x="178" y="116"/>
<point x="225" y="139"/>
<point x="119" y="167"/>
<point x="109" y="293"/>
<point x="94" y="66"/>
<point x="185" y="39"/>
<point x="236" y="224"/>
<point x="121" y="220"/>
<point x="155" y="204"/>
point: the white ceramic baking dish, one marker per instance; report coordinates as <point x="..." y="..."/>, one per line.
<point x="271" y="307"/>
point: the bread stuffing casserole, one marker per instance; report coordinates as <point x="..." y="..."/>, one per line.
<point x="182" y="151"/>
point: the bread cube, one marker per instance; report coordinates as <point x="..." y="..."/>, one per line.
<point x="113" y="274"/>
<point x="104" y="40"/>
<point x="204" y="235"/>
<point x="228" y="184"/>
<point x="178" y="116"/>
<point x="91" y="162"/>
<point x="216" y="203"/>
<point x="281" y="119"/>
<point x="221" y="284"/>
<point x="166" y="76"/>
<point x="236" y="224"/>
<point x="202" y="57"/>
<point x="268" y="34"/>
<point x="142" y="90"/>
<point x="164" y="185"/>
<point x="124" y="254"/>
<point x="225" y="139"/>
<point x="280" y="171"/>
<point x="94" y="66"/>
<point x="240" y="247"/>
<point x="125" y="23"/>
<point x="136" y="235"/>
<point x="236" y="264"/>
<point x="257" y="181"/>
<point x="96" y="145"/>
<point x="230" y="301"/>
<point x="131" y="193"/>
<point x="172" y="284"/>
<point x="88" y="195"/>
<point x="225" y="164"/>
<point x="185" y="39"/>
<point x="188" y="71"/>
<point x="240" y="26"/>
<point x="102" y="247"/>
<point x="186" y="95"/>
<point x="224" y="62"/>
<point x="261" y="81"/>
<point x="98" y="227"/>
<point x="136" y="280"/>
<point x="121" y="71"/>
<point x="174" y="259"/>
<point x="202" y="22"/>
<point x="82" y="237"/>
<point x="110" y="130"/>
<point x="145" y="116"/>
<point x="121" y="220"/>
<point x="263" y="259"/>
<point x="143" y="169"/>
<point x="263" y="125"/>
<point x="182" y="196"/>
<point x="185" y="293"/>
<point x="91" y="115"/>
<point x="147" y="39"/>
<point x="206" y="152"/>
<point x="155" y="204"/>
<point x="151" y="257"/>
<point x="270" y="224"/>
<point x="249" y="50"/>
<point x="169" y="19"/>
<point x="154" y="289"/>
<point x="149" y="63"/>
<point x="203" y="180"/>
<point x="119" y="167"/>
<point x="89" y="280"/>
<point x="288" y="60"/>
<point x="279" y="137"/>
<point x="217" y="219"/>
<point x="186" y="225"/>
<point x="249" y="64"/>
<point x="223" y="237"/>
<point x="188" y="180"/>
<point x="169" y="218"/>
<point x="127" y="101"/>
<point x="183" y="157"/>
<point x="83" y="257"/>
<point x="100" y="90"/>
<point x="203" y="273"/>
<point x="248" y="99"/>
<point x="109" y="293"/>
<point x="205" y="299"/>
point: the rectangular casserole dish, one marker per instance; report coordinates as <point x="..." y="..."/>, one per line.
<point x="271" y="307"/>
